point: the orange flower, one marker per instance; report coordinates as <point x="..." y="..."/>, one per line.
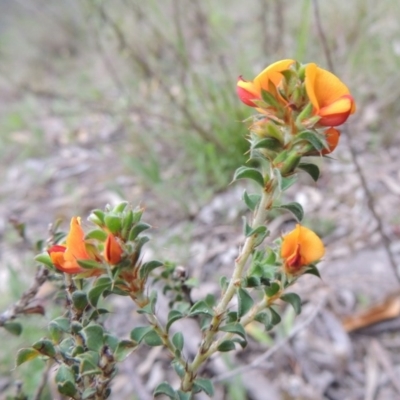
<point x="329" y="96"/>
<point x="65" y="257"/>
<point x="332" y="139"/>
<point x="251" y="90"/>
<point x="300" y="247"/>
<point x="112" y="250"/>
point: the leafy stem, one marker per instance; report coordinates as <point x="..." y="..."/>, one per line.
<point x="207" y="346"/>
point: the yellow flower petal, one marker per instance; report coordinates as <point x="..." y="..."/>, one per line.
<point x="75" y="242"/>
<point x="311" y="246"/>
<point x="323" y="87"/>
<point x="300" y="247"/>
<point x="289" y="243"/>
<point x="272" y="73"/>
<point x="340" y="106"/>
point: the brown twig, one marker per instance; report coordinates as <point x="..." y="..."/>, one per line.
<point x="149" y="72"/>
<point x="23" y="305"/>
<point x="353" y="153"/>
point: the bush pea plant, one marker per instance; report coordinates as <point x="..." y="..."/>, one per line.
<point x="299" y="108"/>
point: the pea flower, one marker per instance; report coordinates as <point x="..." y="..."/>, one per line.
<point x="329" y="96"/>
<point x="112" y="250"/>
<point x="251" y="90"/>
<point x="300" y="247"/>
<point x="64" y="257"/>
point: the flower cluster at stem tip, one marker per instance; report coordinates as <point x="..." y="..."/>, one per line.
<point x="300" y="107"/>
<point x="303" y="96"/>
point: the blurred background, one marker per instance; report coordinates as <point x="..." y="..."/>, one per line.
<point x="102" y="101"/>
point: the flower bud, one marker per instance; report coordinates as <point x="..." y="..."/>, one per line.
<point x="112" y="250"/>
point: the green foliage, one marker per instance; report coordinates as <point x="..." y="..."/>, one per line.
<point x="295" y="208"/>
<point x="294" y="300"/>
<point x="311" y="169"/>
<point x="245" y="302"/>
<point x="249" y="173"/>
<point x="13" y="327"/>
<point x="201" y="307"/>
<point x="25" y="355"/>
<point x="251" y="200"/>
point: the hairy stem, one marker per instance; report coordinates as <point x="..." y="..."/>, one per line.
<point x="207" y="347"/>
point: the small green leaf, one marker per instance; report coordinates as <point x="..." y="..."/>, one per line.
<point x="124" y="349"/>
<point x="178" y="367"/>
<point x="251" y="200"/>
<point x="251" y="281"/>
<point x="273" y="289"/>
<point x="173" y="315"/>
<point x="259" y="231"/>
<point x="64" y="374"/>
<point x="287" y="182"/>
<point x="313" y="270"/>
<point x="223" y="283"/>
<point x="231" y="316"/>
<point x="89" y="264"/>
<point x="93" y="335"/>
<point x="311" y="137"/>
<point x="140" y="332"/>
<point x="226" y="345"/>
<point x="25" y="355"/>
<point x="137" y="229"/>
<point x="234" y="328"/>
<point x="67" y="388"/>
<point x="45" y="347"/>
<point x="249" y="173"/>
<point x="57" y="327"/>
<point x="152" y="339"/>
<point x="246" y="227"/>
<point x="243" y="343"/>
<point x="111" y="341"/>
<point x="268" y="143"/>
<point x="89" y="362"/>
<point x="183" y="395"/>
<point x="245" y="302"/>
<point x="205" y="385"/>
<point x="263" y="318"/>
<point x="102" y="284"/>
<point x="79" y="299"/>
<point x="200" y="307"/>
<point x="294" y="300"/>
<point x="295" y="208"/>
<point x="97" y="234"/>
<point x="67" y="344"/>
<point x="270" y="99"/>
<point x="311" y="169"/>
<point x="275" y="317"/>
<point x="97" y="217"/>
<point x="120" y="207"/>
<point x="147" y="267"/>
<point x="45" y="259"/>
<point x="164" y="388"/>
<point x="178" y="340"/>
<point x="13" y="327"/>
<point x="127" y="222"/>
<point x="113" y="223"/>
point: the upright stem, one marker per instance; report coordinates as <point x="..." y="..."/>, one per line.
<point x="205" y="350"/>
